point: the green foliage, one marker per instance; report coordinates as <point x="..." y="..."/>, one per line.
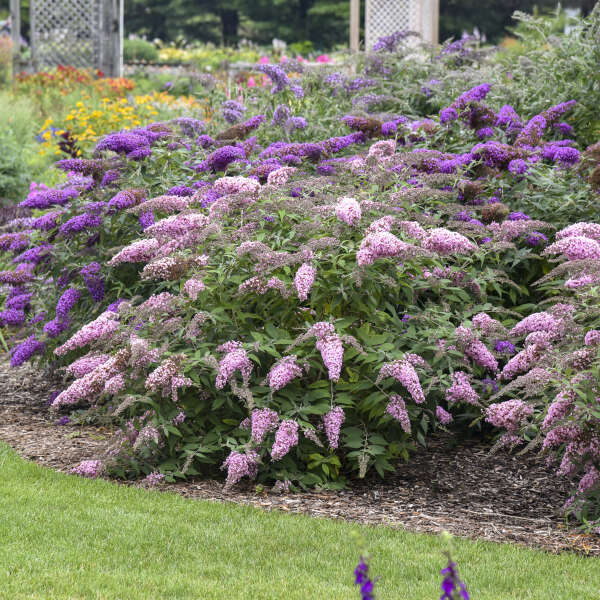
<point x="135" y="50"/>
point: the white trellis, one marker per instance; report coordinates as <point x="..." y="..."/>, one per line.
<point x="79" y="33"/>
<point x="384" y="17"/>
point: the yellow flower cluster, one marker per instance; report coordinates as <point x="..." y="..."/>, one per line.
<point x="86" y="122"/>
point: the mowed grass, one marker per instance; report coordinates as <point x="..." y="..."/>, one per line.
<point x="67" y="537"/>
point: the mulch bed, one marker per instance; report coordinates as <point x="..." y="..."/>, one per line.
<point x="462" y="489"/>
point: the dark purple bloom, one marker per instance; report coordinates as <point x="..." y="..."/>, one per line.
<point x="110" y="177"/>
<point x="221" y="158"/>
<point x="181" y="190"/>
<point x="63" y="420"/>
<point x="295" y="123"/>
<point x="93" y="281"/>
<point x="94" y="207"/>
<point x="564" y="128"/>
<point x="83" y="166"/>
<point x="44" y="198"/>
<point x="566" y="157"/>
<point x="18" y="302"/>
<point x="388" y="43"/>
<point x="146" y="219"/>
<point x="205" y="141"/>
<point x="33" y="255"/>
<point x="269" y="218"/>
<point x="12" y="317"/>
<point x="485" y="132"/>
<point x="140" y="153"/>
<point x="126" y="199"/>
<point x="115" y="305"/>
<point x="504" y="347"/>
<point x="38" y="318"/>
<point x="277" y="75"/>
<point x="233" y="111"/>
<point x="518" y="216"/>
<point x="189" y="126"/>
<point x="508" y="119"/>
<point x="535" y="238"/>
<point x="280" y="115"/>
<point x="55" y="327"/>
<point x="80" y="223"/>
<point x="25" y="350"/>
<point x="66" y="302"/>
<point x="517" y="166"/>
<point x="447" y="115"/>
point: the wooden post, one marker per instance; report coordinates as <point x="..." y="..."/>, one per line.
<point x="15" y="32"/>
<point x="121" y="35"/>
<point x="354" y="25"/>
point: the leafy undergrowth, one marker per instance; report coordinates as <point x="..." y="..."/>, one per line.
<point x="66" y="537"/>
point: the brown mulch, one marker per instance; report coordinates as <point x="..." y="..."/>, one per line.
<point x="462" y="489"/>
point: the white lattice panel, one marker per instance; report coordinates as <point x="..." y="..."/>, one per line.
<point x="66" y="32"/>
<point x="384" y="17"/>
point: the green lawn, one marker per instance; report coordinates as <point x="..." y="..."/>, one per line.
<point x="66" y="537"/>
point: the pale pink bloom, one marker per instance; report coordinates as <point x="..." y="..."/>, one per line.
<point x="413" y="229"/>
<point x="91" y="385"/>
<point x="236" y="185"/>
<point x="348" y="210"/>
<point x="115" y="384"/>
<point x="589" y="230"/>
<point x="511" y="415"/>
<point x="444" y="242"/>
<point x="139" y="251"/>
<point x="89" y="468"/>
<point x="178" y="225"/>
<point x="286" y="438"/>
<point x="193" y="286"/>
<point x="304" y="279"/>
<point x="521" y="362"/>
<point x="283" y="372"/>
<point x="404" y="372"/>
<point x="240" y="465"/>
<point x="332" y="353"/>
<point x="461" y="390"/>
<point x="592" y="338"/>
<point x="486" y="324"/>
<point x="397" y="409"/>
<point x="161" y="204"/>
<point x="263" y="421"/>
<point x="167" y="379"/>
<point x="235" y="359"/>
<point x="541" y="321"/>
<point x="443" y="416"/>
<point x="332" y="422"/>
<point x="101" y="328"/>
<point x="86" y="364"/>
<point x="575" y="248"/>
<point x="383" y="148"/>
<point x="379" y="245"/>
<point x="384" y="224"/>
<point x="280" y="176"/>
<point x="574" y="283"/>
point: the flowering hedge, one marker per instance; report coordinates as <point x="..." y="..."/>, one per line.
<point x="303" y="304"/>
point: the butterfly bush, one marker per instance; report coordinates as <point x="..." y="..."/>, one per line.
<point x="317" y="296"/>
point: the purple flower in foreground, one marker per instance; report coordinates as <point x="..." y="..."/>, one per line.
<point x="80" y="223"/>
<point x="361" y="578"/>
<point x="452" y="587"/>
<point x="63" y="420"/>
